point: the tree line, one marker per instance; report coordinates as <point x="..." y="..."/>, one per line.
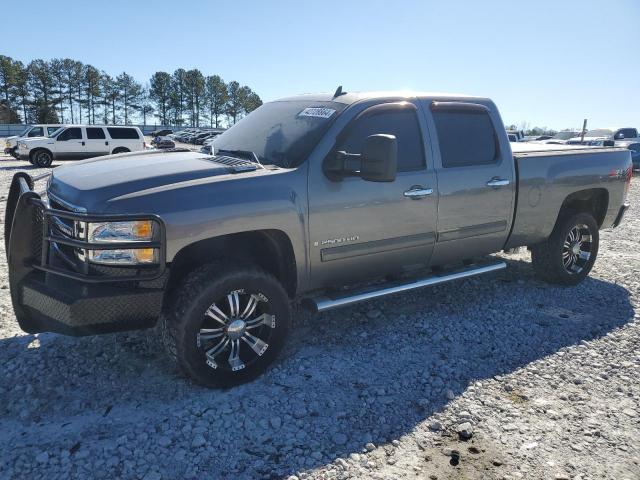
<point x="63" y="90"/>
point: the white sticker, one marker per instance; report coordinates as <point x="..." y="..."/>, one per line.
<point x="319" y="112"/>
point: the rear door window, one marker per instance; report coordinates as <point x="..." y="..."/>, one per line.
<point x="401" y="124"/>
<point x="94" y="133"/>
<point x="36" y="132"/>
<point x="466" y="138"/>
<point x="74" y="133"/>
<point x="123" y="133"/>
<point x="626" y="133"/>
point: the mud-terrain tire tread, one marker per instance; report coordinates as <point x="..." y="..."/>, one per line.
<point x="174" y="321"/>
<point x="546" y="257"/>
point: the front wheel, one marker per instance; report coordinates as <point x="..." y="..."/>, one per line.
<point x="41" y="158"/>
<point x="227" y="324"/>
<point x="570" y="251"/>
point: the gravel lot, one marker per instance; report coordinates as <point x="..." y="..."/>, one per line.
<point x="499" y="377"/>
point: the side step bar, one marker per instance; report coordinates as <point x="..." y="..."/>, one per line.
<point x="328" y="302"/>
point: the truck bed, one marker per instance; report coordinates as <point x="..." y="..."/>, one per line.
<point x="547" y="174"/>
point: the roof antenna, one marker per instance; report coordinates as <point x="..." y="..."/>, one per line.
<point x="339" y="92"/>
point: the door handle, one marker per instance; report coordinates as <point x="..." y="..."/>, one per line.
<point x="106" y="143"/>
<point x="416" y="193"/>
<point x="81" y="143"/>
<point x="498" y="182"/>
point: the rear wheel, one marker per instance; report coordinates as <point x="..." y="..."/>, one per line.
<point x="570" y="251"/>
<point x="41" y="158"/>
<point x="120" y="150"/>
<point x="227" y="324"/>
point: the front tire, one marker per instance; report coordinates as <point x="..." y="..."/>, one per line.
<point x="568" y="255"/>
<point x="41" y="158"/>
<point x="227" y="324"/>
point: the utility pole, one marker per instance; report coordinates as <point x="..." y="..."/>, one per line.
<point x="584" y="130"/>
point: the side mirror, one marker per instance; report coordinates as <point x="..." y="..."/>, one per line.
<point x="378" y="161"/>
<point x="379" y="158"/>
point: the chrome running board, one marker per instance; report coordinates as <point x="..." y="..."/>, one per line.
<point x="327" y="302"/>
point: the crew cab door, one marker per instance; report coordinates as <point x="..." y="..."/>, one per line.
<point x="476" y="180"/>
<point x="70" y="144"/>
<point x="96" y="143"/>
<point x="360" y="229"/>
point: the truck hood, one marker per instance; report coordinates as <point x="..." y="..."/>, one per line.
<point x="91" y="183"/>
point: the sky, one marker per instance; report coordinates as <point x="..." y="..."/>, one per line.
<point x="547" y="62"/>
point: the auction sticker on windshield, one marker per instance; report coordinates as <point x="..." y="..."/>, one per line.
<point x="319" y="112"/>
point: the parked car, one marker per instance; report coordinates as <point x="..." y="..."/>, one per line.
<point x="305" y="196"/>
<point x="185" y="135"/>
<point x="74" y="142"/>
<point x="163" y="142"/>
<point x="634" y="148"/>
<point x="561" y="138"/>
<point x="596" y="137"/>
<point x="40" y="130"/>
<point x="203" y="137"/>
<point x="519" y="134"/>
<point x="207" y="149"/>
<point x="161" y="133"/>
<point x="512" y="137"/>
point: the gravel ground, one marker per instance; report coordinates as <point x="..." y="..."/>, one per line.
<point x="499" y="377"/>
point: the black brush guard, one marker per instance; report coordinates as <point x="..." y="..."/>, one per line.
<point x="48" y="295"/>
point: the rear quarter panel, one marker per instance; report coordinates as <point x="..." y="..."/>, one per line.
<point x="546" y="179"/>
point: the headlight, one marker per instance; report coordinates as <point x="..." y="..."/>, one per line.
<point x="109" y="232"/>
<point x="130" y="256"/>
<point x="24" y="146"/>
<point x="119" y="232"/>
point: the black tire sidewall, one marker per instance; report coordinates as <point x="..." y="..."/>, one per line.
<point x="192" y="358"/>
<point x="37" y="159"/>
<point x="557" y="242"/>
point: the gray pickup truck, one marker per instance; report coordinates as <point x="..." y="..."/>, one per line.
<point x="325" y="200"/>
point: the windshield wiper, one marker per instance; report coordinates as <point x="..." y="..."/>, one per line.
<point x="248" y="153"/>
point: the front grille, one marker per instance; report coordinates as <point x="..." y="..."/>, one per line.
<point x="65" y="228"/>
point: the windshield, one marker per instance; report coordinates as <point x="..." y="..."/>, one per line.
<point x="566" y="135"/>
<point x="25" y="131"/>
<point x="281" y="133"/>
<point x="603" y="132"/>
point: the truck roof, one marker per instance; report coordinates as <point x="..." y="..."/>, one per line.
<point x="353" y="97"/>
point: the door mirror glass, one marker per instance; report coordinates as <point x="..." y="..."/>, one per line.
<point x="379" y="158"/>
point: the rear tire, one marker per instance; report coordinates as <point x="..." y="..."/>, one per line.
<point x="120" y="150"/>
<point x="227" y="324"/>
<point x="41" y="158"/>
<point x="568" y="255"/>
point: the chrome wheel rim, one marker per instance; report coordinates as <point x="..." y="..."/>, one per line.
<point x="236" y="330"/>
<point x="43" y="158"/>
<point x="576" y="250"/>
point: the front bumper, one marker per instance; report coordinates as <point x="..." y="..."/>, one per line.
<point x="49" y="295"/>
<point x="21" y="154"/>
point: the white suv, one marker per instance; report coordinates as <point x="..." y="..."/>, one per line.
<point x="41" y="130"/>
<point x="75" y="142"/>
